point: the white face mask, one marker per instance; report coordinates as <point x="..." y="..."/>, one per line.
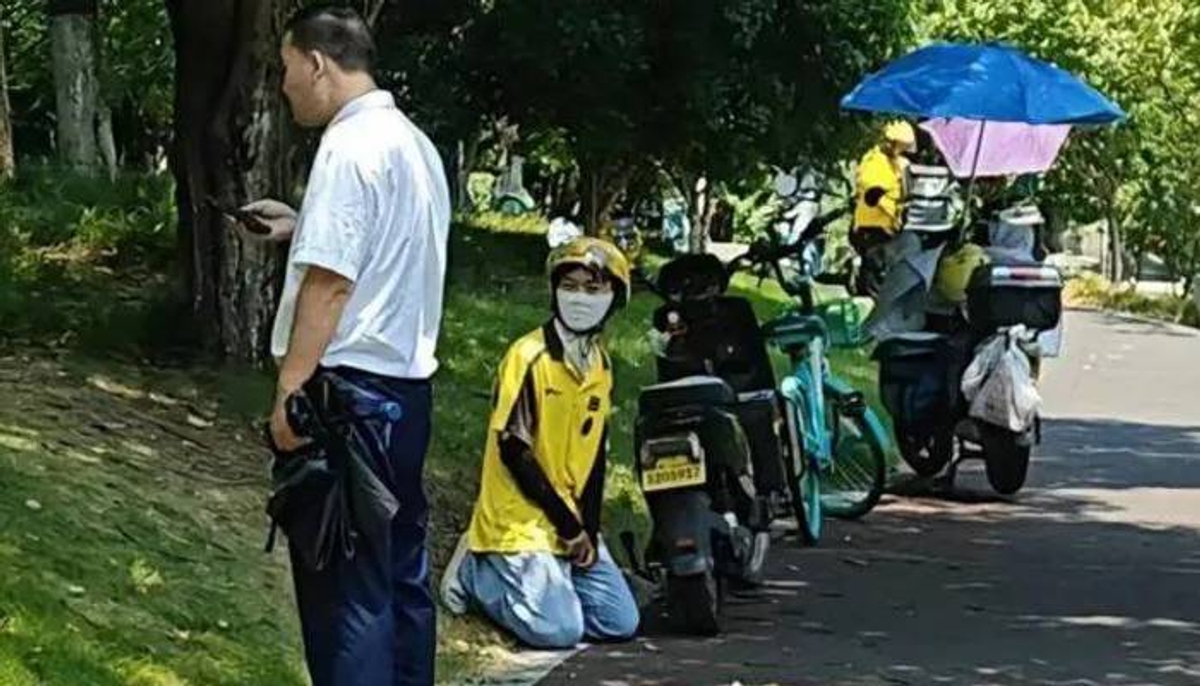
<point x="583" y="312"/>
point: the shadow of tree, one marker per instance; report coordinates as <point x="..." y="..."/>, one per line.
<point x="1055" y="586"/>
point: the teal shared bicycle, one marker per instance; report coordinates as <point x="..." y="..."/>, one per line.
<point x="836" y="452"/>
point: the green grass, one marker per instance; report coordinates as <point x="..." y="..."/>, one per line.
<point x="141" y="563"/>
<point x="132" y="555"/>
<point x="84" y="262"/>
<point x="131" y="216"/>
<point x="1092" y="290"/>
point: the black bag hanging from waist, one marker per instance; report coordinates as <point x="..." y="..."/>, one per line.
<point x="325" y="495"/>
<point x="308" y="504"/>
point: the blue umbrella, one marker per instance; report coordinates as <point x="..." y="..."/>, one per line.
<point x="989" y="82"/>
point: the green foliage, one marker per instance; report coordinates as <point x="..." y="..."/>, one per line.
<point x="85" y="260"/>
<point x="30" y="82"/>
<point x="426" y="59"/>
<point x="479" y="190"/>
<point x="502" y="223"/>
<point x="695" y="87"/>
<point x="753" y="211"/>
<point x="49" y="206"/>
<point x="136" y="74"/>
<point x="1093" y="290"/>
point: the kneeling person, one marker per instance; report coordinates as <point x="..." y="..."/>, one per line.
<point x="532" y="559"/>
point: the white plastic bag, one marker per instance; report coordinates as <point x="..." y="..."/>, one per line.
<point x="1008" y="397"/>
<point x="986" y="358"/>
<point x="1049" y="343"/>
<point x="562" y="231"/>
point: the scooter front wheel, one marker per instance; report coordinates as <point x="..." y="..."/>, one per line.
<point x="927" y="455"/>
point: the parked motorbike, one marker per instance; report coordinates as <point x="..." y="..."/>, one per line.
<point x="709" y="453"/>
<point x="722" y="452"/>
<point x="931" y="380"/>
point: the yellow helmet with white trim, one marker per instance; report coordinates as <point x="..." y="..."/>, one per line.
<point x="595" y="254"/>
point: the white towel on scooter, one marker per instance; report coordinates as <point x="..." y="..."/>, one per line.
<point x="999" y="383"/>
<point x="903" y="297"/>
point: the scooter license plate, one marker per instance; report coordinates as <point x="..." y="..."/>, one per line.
<point x="669" y="473"/>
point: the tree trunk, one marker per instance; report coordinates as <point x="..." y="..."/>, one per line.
<point x="1116" y="249"/>
<point x="77" y="90"/>
<point x="564" y="195"/>
<point x="602" y="188"/>
<point x="703" y="208"/>
<point x="1192" y="271"/>
<point x="106" y="142"/>
<point x="8" y="165"/>
<point x="460" y="177"/>
<point x="232" y="139"/>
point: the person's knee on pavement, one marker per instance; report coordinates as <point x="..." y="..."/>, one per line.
<point x="628" y="622"/>
<point x="551" y="631"/>
<point x="622" y="625"/>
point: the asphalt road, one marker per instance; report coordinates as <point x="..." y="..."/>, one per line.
<point x="1091" y="575"/>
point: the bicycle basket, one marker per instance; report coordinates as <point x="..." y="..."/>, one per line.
<point x="844" y="323"/>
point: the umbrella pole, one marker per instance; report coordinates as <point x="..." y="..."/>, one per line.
<point x="971" y="182"/>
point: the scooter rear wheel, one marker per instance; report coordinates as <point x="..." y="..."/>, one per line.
<point x="1006" y="458"/>
<point x="694" y="603"/>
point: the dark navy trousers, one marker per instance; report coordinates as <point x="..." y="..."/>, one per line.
<point x="371" y="620"/>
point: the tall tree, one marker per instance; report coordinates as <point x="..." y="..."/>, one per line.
<point x="84" y="123"/>
<point x="7" y="158"/>
<point x="232" y="144"/>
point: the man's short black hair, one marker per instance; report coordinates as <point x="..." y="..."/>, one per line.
<point x="339" y="32"/>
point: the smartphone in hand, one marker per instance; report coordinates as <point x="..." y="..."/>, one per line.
<point x="250" y="221"/>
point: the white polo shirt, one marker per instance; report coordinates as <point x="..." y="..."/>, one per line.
<point x="376" y="211"/>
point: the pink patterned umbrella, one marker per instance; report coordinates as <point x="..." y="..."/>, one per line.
<point x="977" y="148"/>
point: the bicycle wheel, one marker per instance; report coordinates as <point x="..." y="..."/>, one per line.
<point x="814" y="506"/>
<point x="804" y="484"/>
<point x="853" y="482"/>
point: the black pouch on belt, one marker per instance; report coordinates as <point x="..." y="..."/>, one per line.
<point x="308" y="500"/>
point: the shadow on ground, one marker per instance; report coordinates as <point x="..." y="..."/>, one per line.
<point x="1069" y="583"/>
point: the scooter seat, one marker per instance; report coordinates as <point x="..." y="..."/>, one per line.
<point x="690" y="391"/>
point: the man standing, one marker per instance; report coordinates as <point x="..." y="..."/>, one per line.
<point x="362" y="300"/>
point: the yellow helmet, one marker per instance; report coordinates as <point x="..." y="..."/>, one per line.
<point x="901" y="132"/>
<point x="593" y="253"/>
<point x="955" y="270"/>
<point x="623" y="233"/>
